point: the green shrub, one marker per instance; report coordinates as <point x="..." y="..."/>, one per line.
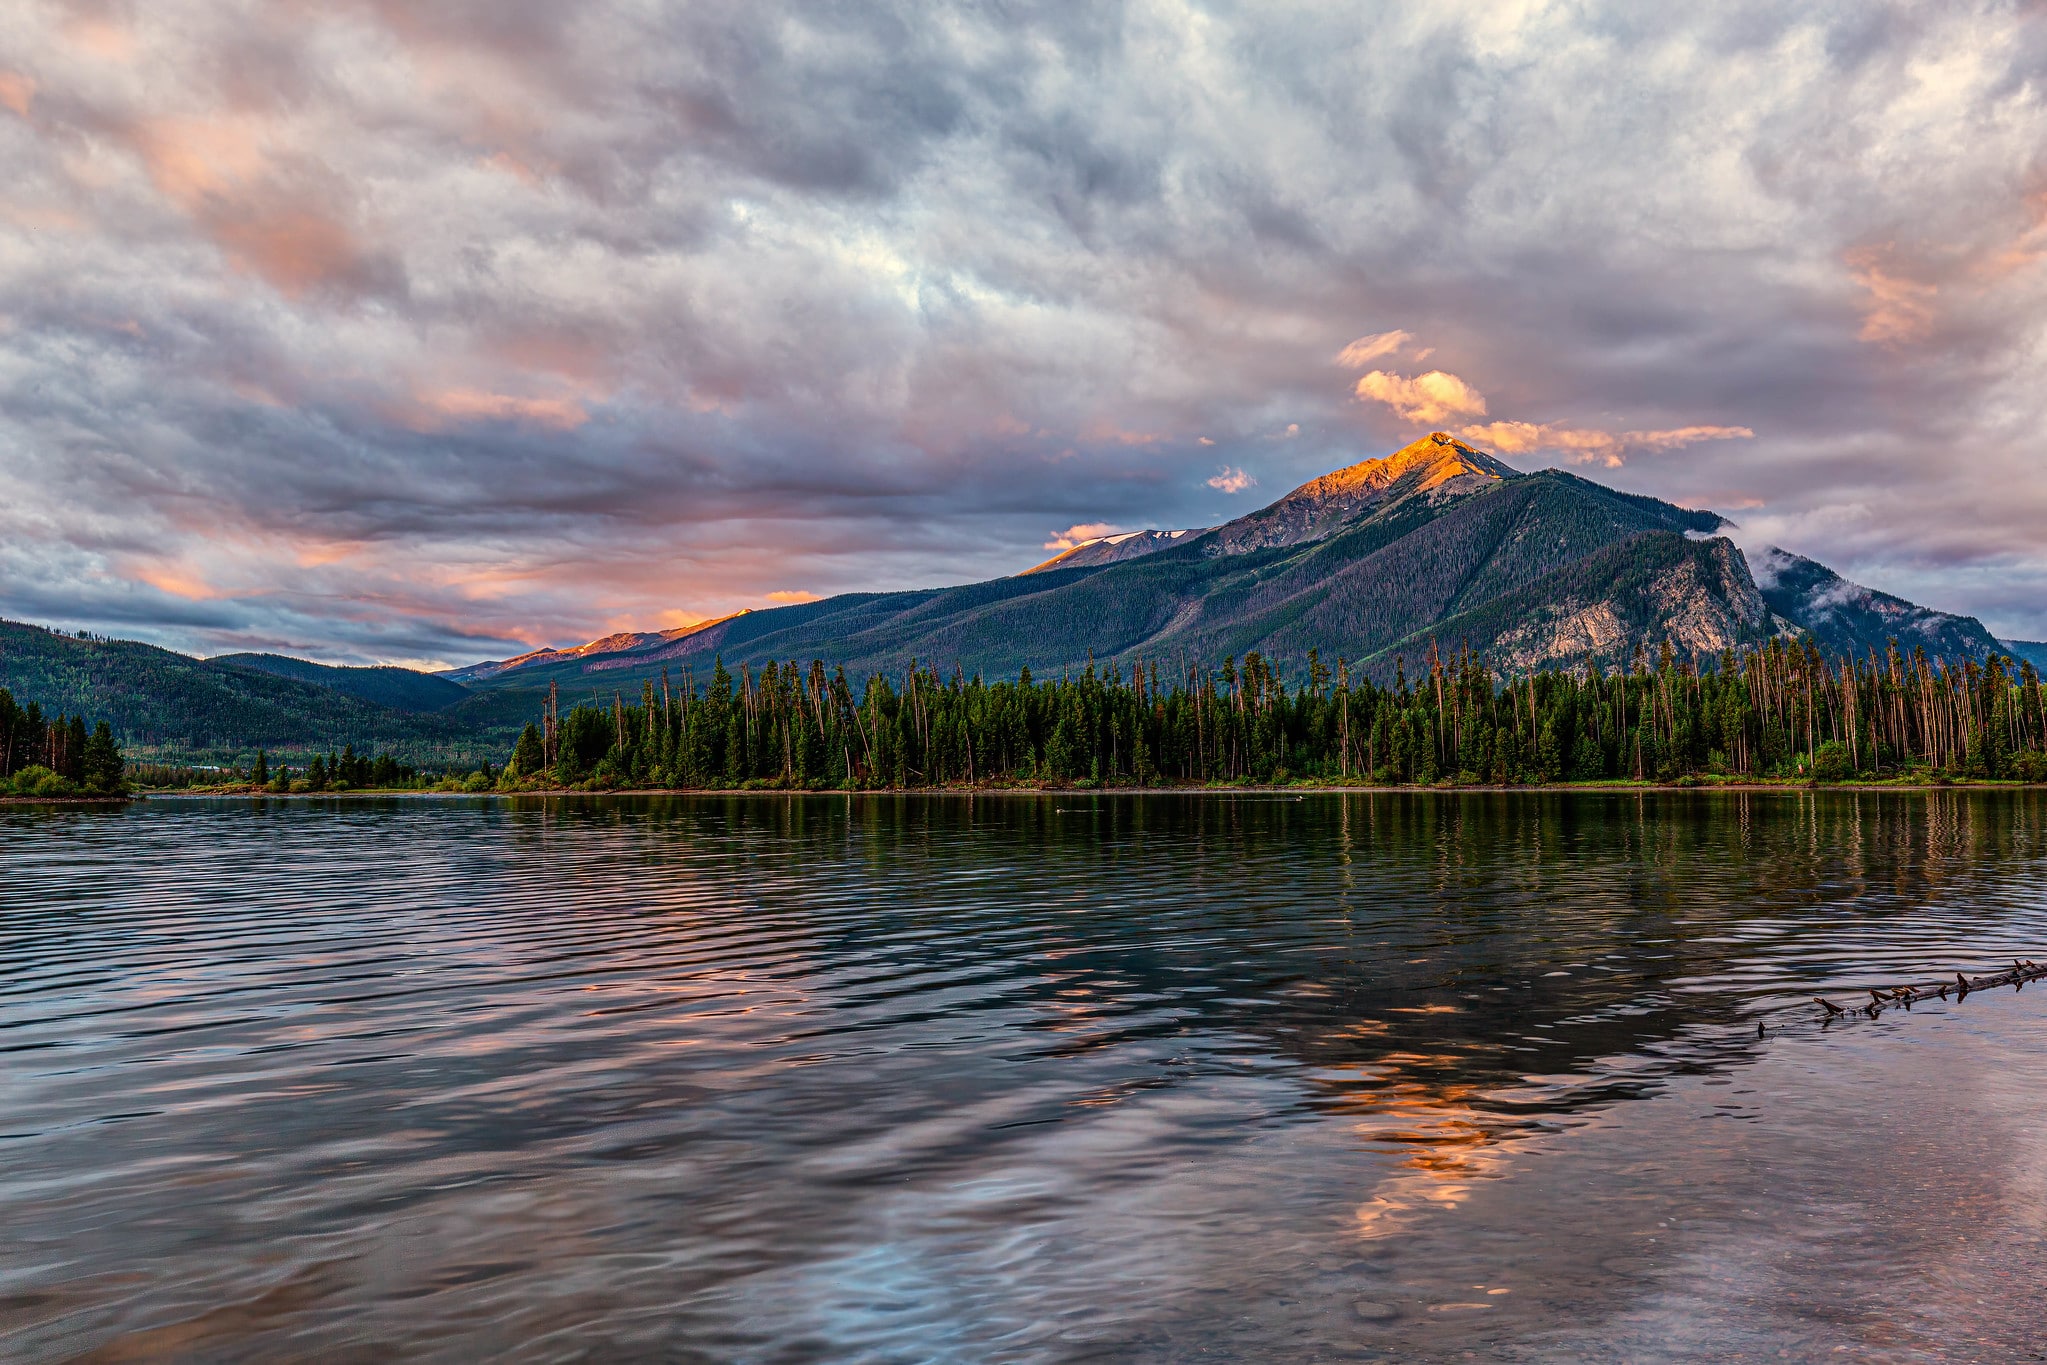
<point x="37" y="780"/>
<point x="1831" y="763"/>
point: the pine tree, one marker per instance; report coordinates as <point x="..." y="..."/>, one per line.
<point x="101" y="765"/>
<point x="529" y="758"/>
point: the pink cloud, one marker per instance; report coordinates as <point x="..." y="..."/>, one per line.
<point x="1900" y="309"/>
<point x="1081" y="534"/>
<point x="559" y="414"/>
<point x="1584" y="445"/>
<point x="17" y="92"/>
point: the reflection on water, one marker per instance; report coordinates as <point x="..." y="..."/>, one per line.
<point x="948" y="1078"/>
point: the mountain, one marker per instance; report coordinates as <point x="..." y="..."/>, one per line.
<point x="401" y="689"/>
<point x="1436" y="546"/>
<point x="640" y="644"/>
<point x="1847" y="618"/>
<point x="1092" y="554"/>
<point x="1437" y="543"/>
<point x="1437" y="469"/>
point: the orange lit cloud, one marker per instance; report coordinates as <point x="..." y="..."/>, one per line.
<point x="1232" y="480"/>
<point x="176" y="580"/>
<point x="1076" y="535"/>
<point x="1587" y="444"/>
<point x="1426" y="399"/>
<point x="792" y="596"/>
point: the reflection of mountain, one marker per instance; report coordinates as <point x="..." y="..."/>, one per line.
<point x="1444" y="973"/>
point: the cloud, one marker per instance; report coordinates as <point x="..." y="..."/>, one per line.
<point x="1585" y="445"/>
<point x="1367" y="349"/>
<point x="423" y="331"/>
<point x="1081" y="534"/>
<point x="1899" y="309"/>
<point x="17" y="92"/>
<point x="787" y="596"/>
<point x="1230" y="480"/>
<point x="560" y="414"/>
<point x="1426" y="399"/>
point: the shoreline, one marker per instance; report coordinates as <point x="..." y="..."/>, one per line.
<point x="1317" y="789"/>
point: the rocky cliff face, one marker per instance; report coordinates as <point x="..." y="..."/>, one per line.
<point x="1698" y="595"/>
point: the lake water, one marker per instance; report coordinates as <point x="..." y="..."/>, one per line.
<point x="1413" y="1076"/>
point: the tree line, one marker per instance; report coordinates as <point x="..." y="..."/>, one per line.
<point x="55" y="755"/>
<point x="1780" y="710"/>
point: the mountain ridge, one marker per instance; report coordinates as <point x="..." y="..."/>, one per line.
<point x="1436" y="539"/>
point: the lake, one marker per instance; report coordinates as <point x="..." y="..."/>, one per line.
<point x="1034" y="1078"/>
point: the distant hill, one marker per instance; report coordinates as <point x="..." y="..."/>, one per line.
<point x="170" y="705"/>
<point x="401" y="689"/>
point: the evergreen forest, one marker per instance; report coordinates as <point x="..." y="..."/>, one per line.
<point x="55" y="755"/>
<point x="1779" y="711"/>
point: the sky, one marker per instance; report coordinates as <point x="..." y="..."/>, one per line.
<point x="376" y="331"/>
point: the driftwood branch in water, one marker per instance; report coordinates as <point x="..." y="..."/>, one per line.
<point x="1881" y="999"/>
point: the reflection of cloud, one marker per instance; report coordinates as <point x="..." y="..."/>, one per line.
<point x="1427" y="399"/>
<point x="1231" y="480"/>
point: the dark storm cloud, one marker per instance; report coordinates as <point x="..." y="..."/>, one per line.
<point x="385" y="331"/>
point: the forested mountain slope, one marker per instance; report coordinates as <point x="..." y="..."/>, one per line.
<point x="401" y="689"/>
<point x="161" y="703"/>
